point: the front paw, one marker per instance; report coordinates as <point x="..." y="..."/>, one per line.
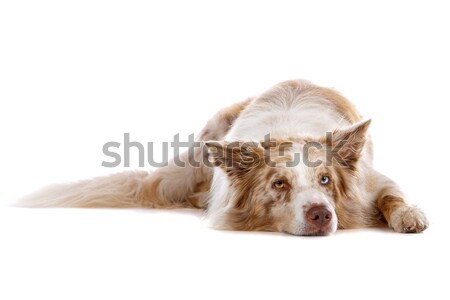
<point x="408" y="219"/>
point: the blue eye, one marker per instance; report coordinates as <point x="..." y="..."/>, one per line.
<point x="324" y="180"/>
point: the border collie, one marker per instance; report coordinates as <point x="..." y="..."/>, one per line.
<point x="295" y="159"/>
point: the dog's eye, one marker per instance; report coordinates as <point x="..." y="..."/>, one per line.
<point x="280" y="184"/>
<point x="324" y="180"/>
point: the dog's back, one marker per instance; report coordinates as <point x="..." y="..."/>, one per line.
<point x="293" y="108"/>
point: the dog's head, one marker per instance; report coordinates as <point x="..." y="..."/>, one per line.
<point x="302" y="186"/>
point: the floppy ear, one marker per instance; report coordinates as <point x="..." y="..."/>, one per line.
<point x="347" y="144"/>
<point x="234" y="157"/>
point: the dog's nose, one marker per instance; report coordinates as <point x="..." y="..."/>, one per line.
<point x="318" y="216"/>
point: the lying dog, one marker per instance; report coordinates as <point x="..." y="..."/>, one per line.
<point x="295" y="159"/>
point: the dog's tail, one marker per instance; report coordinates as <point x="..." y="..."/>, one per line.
<point x="124" y="190"/>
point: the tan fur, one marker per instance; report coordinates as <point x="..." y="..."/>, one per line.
<point x="400" y="216"/>
<point x="345" y="107"/>
<point x="361" y="196"/>
<point x="127" y="189"/>
<point x="292" y="87"/>
<point x="351" y="210"/>
<point x="251" y="207"/>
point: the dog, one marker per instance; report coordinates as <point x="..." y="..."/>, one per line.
<point x="295" y="159"/>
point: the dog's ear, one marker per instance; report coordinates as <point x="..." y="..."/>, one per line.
<point x="234" y="157"/>
<point x="346" y="144"/>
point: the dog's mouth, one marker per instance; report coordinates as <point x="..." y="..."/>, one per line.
<point x="313" y="231"/>
<point x="316" y="233"/>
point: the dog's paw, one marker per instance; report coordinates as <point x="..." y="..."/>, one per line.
<point x="408" y="219"/>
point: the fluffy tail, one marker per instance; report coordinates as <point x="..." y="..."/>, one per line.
<point x="126" y="189"/>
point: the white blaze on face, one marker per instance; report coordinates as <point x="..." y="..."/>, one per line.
<point x="308" y="194"/>
<point x="306" y="200"/>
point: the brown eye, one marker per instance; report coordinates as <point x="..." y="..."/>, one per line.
<point x="280" y="184"/>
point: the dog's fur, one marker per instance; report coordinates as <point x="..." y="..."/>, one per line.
<point x="245" y="192"/>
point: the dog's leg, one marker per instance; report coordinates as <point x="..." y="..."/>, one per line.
<point x="188" y="186"/>
<point x="389" y="199"/>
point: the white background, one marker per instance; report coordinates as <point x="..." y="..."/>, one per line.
<point x="77" y="74"/>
